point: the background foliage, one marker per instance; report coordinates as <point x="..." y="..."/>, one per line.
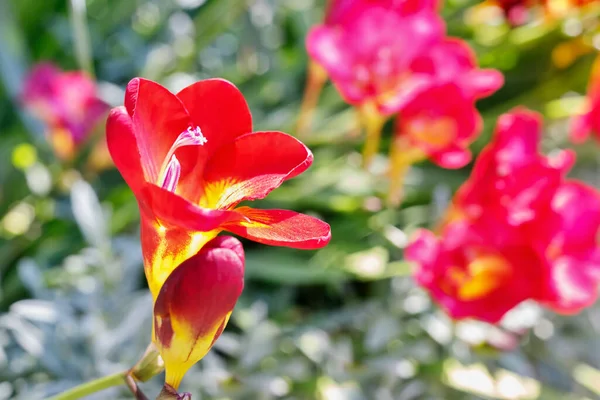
<point x="345" y="322"/>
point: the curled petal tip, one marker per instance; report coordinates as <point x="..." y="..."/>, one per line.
<point x="283" y="228"/>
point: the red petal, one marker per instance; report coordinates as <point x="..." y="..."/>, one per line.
<point x="575" y="285"/>
<point x="158" y="118"/>
<point x="481" y="83"/>
<point x="424" y="250"/>
<point x="174" y="211"/>
<point x="282" y="228"/>
<point x="221" y="112"/>
<point x="123" y="148"/>
<point x="517" y="136"/>
<point x="219" y="109"/>
<point x="578" y="208"/>
<point x="580" y="128"/>
<point x="252" y="166"/>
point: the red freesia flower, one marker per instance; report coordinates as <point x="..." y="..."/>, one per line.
<point x="589" y="122"/>
<point x="368" y="57"/>
<point x="441" y="130"/>
<point x="517" y="230"/>
<point x="66" y="102"/>
<point x="440" y="120"/>
<point x="344" y="21"/>
<point x="190" y="159"/>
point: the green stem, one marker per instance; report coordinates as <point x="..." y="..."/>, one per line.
<point x="81" y="36"/>
<point x="92" y="387"/>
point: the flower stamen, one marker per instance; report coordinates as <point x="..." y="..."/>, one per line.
<point x="172" y="174"/>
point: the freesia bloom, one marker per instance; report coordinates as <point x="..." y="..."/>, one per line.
<point x="441" y="120"/>
<point x="67" y="102"/>
<point x="429" y="127"/>
<point x="441" y="130"/>
<point x="348" y="35"/>
<point x="517" y="230"/>
<point x="589" y="122"/>
<point x="369" y="58"/>
<point x="190" y="159"/>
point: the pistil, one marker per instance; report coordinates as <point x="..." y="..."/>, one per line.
<point x="171" y="168"/>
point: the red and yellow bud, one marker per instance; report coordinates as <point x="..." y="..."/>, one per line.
<point x="194" y="304"/>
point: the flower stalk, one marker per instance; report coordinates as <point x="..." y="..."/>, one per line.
<point x="402" y="157"/>
<point x="91" y="387"/>
<point x="315" y="81"/>
<point x="373" y="123"/>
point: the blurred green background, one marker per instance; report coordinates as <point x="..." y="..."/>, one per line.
<point x="345" y="322"/>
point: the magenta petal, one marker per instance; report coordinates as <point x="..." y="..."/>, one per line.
<point x="575" y="285"/>
<point x="580" y="128"/>
<point x="481" y="83"/>
<point x="453" y="157"/>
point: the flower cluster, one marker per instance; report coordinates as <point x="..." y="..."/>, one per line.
<point x="67" y="102"/>
<point x="393" y="57"/>
<point x="190" y="160"/>
<point x="516" y="230"/>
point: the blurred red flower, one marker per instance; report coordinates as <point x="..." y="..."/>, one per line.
<point x="441" y="120"/>
<point x="190" y="159"/>
<point x="441" y="130"/>
<point x="517" y="230"/>
<point x="67" y="102"/>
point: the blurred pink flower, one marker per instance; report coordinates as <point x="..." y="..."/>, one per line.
<point x="517" y="230"/>
<point x="369" y="56"/>
<point x="439" y="120"/>
<point x="66" y="102"/>
<point x="441" y="130"/>
<point x="373" y="56"/>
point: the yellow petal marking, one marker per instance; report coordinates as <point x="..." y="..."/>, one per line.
<point x="185" y="349"/>
<point x="482" y="276"/>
